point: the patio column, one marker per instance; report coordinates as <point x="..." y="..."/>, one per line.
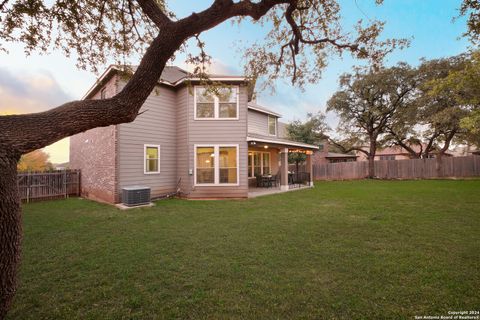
<point x="310" y="167"/>
<point x="284" y="169"/>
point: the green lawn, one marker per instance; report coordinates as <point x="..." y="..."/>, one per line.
<point x="343" y="250"/>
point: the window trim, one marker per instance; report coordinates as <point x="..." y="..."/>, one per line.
<point x="145" y="146"/>
<point x="268" y="125"/>
<point x="261" y="163"/>
<point x="216" y="166"/>
<point x="103" y="93"/>
<point x="216" y="106"/>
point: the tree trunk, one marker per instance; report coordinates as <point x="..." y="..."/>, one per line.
<point x="439" y="164"/>
<point x="371" y="166"/>
<point x="371" y="158"/>
<point x="10" y="231"/>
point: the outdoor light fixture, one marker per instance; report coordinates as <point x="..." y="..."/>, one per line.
<point x="266" y="147"/>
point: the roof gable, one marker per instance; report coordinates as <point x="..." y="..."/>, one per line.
<point x="171" y="76"/>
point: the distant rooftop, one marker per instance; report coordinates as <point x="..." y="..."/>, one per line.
<point x="340" y="155"/>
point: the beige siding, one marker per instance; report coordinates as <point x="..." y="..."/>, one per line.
<point x="183" y="154"/>
<point x="258" y="122"/>
<point x="155" y="126"/>
<point x="219" y="132"/>
<point x="94" y="153"/>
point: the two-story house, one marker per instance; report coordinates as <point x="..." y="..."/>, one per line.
<point x="185" y="139"/>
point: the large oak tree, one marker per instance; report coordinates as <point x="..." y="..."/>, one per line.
<point x="301" y="35"/>
<point x="368" y="103"/>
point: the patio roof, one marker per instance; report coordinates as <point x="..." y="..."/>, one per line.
<point x="279" y="141"/>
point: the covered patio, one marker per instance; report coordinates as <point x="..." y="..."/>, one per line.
<point x="268" y="169"/>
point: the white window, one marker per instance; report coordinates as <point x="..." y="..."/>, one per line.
<point x="151" y="158"/>
<point x="216" y="165"/>
<point x="272" y="125"/>
<point x="258" y="163"/>
<point x="220" y="106"/>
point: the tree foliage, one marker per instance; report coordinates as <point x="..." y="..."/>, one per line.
<point x="312" y="131"/>
<point x="303" y="34"/>
<point x="432" y="118"/>
<point x="471" y="9"/>
<point x="462" y="84"/>
<point x="94" y="31"/>
<point x="37" y="160"/>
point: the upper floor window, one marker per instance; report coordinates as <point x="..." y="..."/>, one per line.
<point x="223" y="105"/>
<point x="103" y="93"/>
<point x="272" y="125"/>
<point x="151" y="159"/>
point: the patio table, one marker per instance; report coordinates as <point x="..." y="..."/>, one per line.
<point x="267" y="180"/>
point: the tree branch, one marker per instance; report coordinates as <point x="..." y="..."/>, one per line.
<point x="41" y="129"/>
<point x="222" y="10"/>
<point x="151" y="10"/>
<point x="2" y="5"/>
<point x="24" y="133"/>
<point x="349" y="149"/>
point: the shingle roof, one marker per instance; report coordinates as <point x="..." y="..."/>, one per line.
<point x="259" y="108"/>
<point x="171" y="75"/>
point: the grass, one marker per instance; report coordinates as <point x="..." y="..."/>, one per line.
<point x="343" y="250"/>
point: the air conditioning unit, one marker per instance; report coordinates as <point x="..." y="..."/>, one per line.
<point x="135" y="196"/>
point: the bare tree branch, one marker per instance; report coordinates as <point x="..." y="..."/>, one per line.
<point x="345" y="149"/>
<point x="2" y="5"/>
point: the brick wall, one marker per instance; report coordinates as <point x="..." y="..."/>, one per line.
<point x="94" y="152"/>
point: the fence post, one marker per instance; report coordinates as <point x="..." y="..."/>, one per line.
<point x="28" y="187"/>
<point x="65" y="182"/>
<point x="474" y="160"/>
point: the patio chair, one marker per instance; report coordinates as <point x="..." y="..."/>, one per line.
<point x="259" y="181"/>
<point x="275" y="179"/>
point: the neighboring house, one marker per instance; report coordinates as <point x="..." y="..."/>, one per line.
<point x="395" y="153"/>
<point x="463" y="150"/>
<point x="323" y="155"/>
<point x="185" y="139"/>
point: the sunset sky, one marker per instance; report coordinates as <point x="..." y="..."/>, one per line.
<point x="39" y="82"/>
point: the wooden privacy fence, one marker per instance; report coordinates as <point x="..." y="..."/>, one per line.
<point x="48" y="185"/>
<point x="451" y="167"/>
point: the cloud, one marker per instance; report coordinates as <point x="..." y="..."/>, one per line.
<point x="26" y="92"/>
